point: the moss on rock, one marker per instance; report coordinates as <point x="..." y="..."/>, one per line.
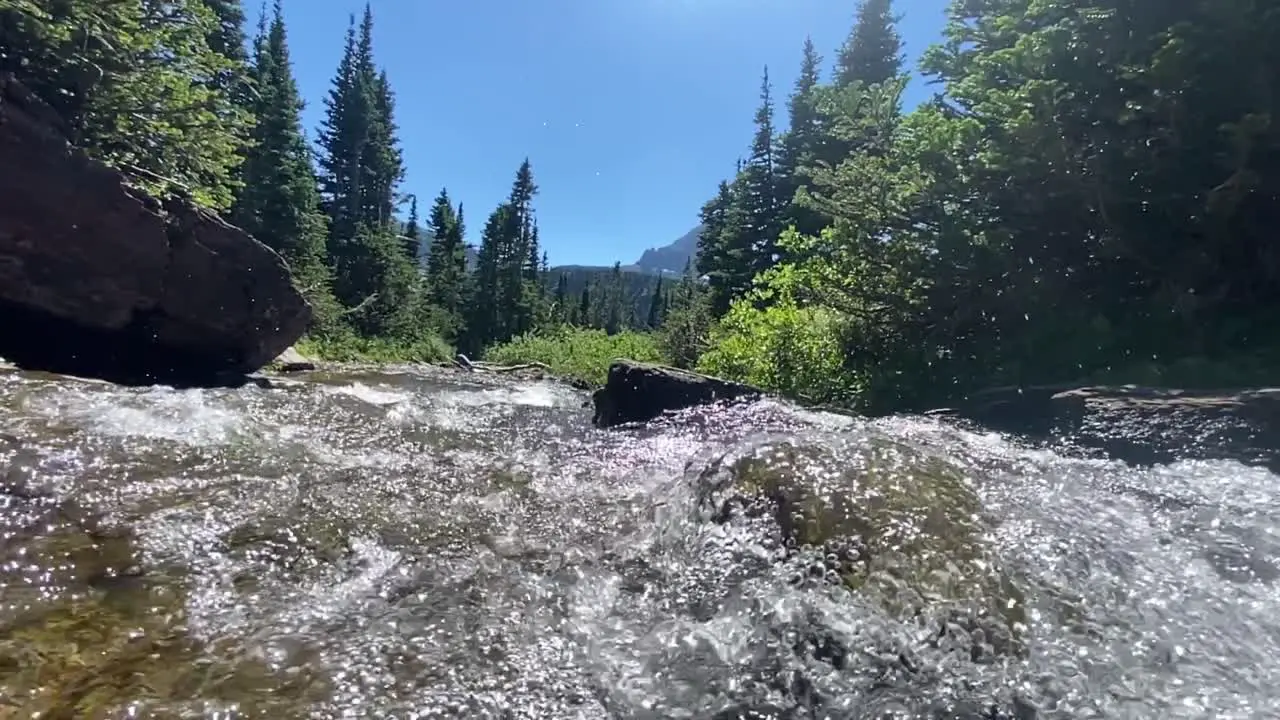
<point x="890" y="521"/>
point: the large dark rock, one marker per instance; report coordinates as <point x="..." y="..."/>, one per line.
<point x="1140" y="425"/>
<point x="638" y="392"/>
<point x="97" y="278"/>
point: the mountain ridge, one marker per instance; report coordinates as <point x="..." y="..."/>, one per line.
<point x="671" y="257"/>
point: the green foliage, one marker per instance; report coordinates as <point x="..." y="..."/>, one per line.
<point x="582" y="354"/>
<point x="741" y="223"/>
<point x="507" y="292"/>
<point x="789" y="349"/>
<point x="137" y="85"/>
<point x="1084" y="200"/>
<point x="687" y="321"/>
<point x="872" y="54"/>
<point x="447" y="261"/>
<point x="350" y="347"/>
<point x="279" y="204"/>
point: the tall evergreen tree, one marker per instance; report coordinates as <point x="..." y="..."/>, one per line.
<point x="412" y="233"/>
<point x="562" y="312"/>
<point x="341" y="143"/>
<point x="801" y="145"/>
<point x="655" y="306"/>
<point x="361" y="169"/>
<point x="872" y="54"/>
<point x="521" y="293"/>
<point x="488" y="307"/>
<point x="279" y="203"/>
<point x="447" y="258"/>
<point x="583" y="317"/>
<point x="761" y="187"/>
<point x="613" y="304"/>
<point x="382" y="164"/>
<point x="722" y="256"/>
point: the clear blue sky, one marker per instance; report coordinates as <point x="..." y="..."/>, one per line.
<point x="630" y="110"/>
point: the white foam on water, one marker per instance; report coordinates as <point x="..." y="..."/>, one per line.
<point x="370" y="394"/>
<point x="186" y="416"/>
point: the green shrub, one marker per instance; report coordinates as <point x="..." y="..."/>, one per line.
<point x="576" y="353"/>
<point x="792" y="350"/>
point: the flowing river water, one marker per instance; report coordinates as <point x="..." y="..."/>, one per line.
<point x="427" y="544"/>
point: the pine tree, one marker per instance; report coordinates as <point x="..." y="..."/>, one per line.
<point x="279" y="204"/>
<point x="687" y="321"/>
<point x="341" y="142"/>
<point x="563" y="313"/>
<point x="227" y="39"/>
<point x="655" y="306"/>
<point x="520" y="293"/>
<point x="584" y="307"/>
<point x="870" y="62"/>
<point x="382" y="165"/>
<point x="446" y="259"/>
<point x="801" y="144"/>
<point x="487" y="310"/>
<point x="412" y="233"/>
<point x="761" y="186"/>
<point x="872" y="54"/>
<point x="722" y="254"/>
<point x="742" y="223"/>
<point x="361" y="169"/>
<point x="614" y="293"/>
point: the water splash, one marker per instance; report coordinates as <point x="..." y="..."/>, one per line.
<point x="417" y="544"/>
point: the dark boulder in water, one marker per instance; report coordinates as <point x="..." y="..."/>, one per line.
<point x="1139" y="425"/>
<point x="638" y="392"/>
<point x="99" y="279"/>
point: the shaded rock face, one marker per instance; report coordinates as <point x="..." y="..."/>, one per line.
<point x="638" y="392"/>
<point x="1140" y="425"/>
<point x="100" y="279"/>
<point x="900" y="527"/>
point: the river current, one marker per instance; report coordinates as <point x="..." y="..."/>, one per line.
<point x="430" y="544"/>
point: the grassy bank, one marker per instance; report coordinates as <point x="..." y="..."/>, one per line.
<point x="576" y="353"/>
<point x="356" y="349"/>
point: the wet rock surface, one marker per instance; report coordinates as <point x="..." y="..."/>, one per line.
<point x="638" y="392"/>
<point x="1140" y="425"/>
<point x="880" y="518"/>
<point x="99" y="279"/>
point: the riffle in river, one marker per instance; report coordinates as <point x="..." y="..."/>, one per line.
<point x="424" y="544"/>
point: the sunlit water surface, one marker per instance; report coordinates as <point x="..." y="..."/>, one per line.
<point x="427" y="545"/>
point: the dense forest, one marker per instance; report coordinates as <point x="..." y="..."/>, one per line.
<point x="1084" y="197"/>
<point x="179" y="97"/>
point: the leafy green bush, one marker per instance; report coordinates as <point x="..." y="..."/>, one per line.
<point x="576" y="353"/>
<point x="792" y="350"/>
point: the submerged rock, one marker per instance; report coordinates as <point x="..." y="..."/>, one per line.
<point x="1140" y="425"/>
<point x="638" y="392"/>
<point x="99" y="279"/>
<point x="886" y="520"/>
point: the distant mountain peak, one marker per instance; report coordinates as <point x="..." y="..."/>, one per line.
<point x="673" y="257"/>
